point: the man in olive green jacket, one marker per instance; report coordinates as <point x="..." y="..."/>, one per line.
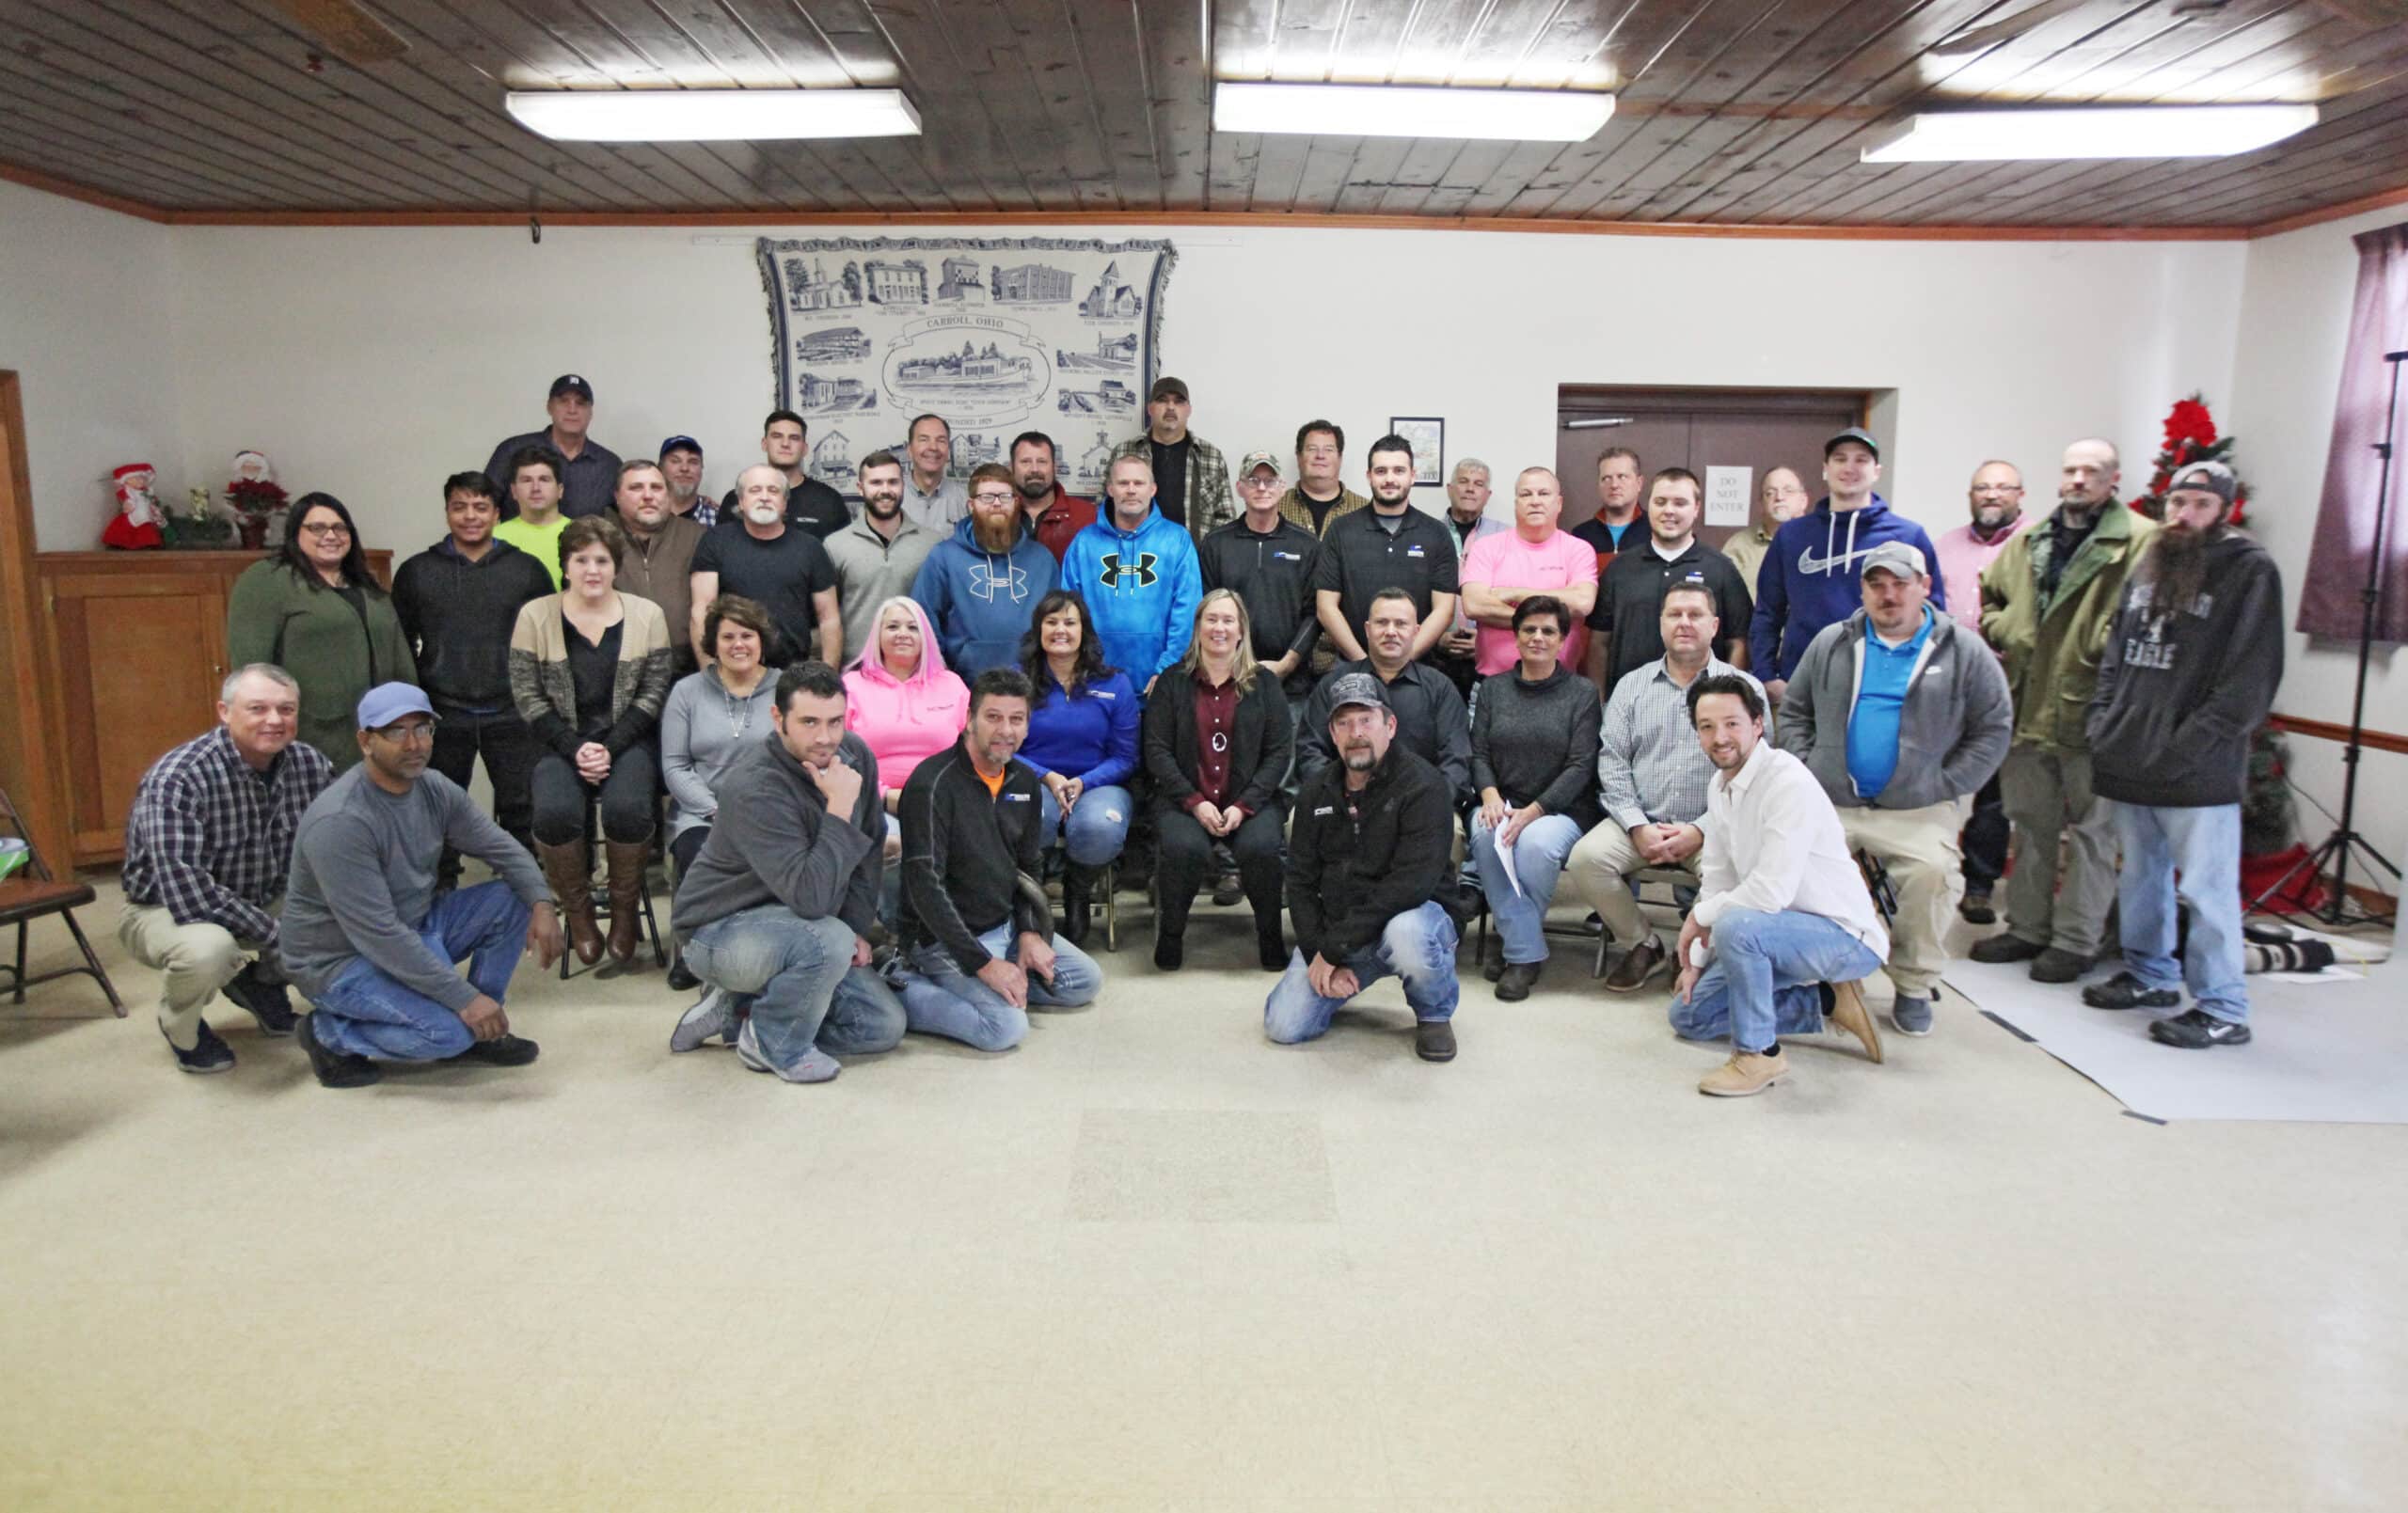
<point x="2047" y="604"/>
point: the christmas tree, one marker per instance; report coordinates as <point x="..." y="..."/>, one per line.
<point x="2190" y="437"/>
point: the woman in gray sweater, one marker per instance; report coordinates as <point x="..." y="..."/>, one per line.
<point x="713" y="713"/>
<point x="1534" y="741"/>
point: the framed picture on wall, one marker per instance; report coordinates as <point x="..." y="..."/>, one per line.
<point x="1428" y="434"/>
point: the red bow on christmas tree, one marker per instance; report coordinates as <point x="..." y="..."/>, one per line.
<point x="2190" y="437"/>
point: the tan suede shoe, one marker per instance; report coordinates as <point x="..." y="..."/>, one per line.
<point x="1745" y="1074"/>
<point x="1848" y="1014"/>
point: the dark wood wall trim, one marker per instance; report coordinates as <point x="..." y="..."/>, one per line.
<point x="2325" y="730"/>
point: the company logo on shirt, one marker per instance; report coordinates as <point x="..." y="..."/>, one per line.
<point x="1016" y="798"/>
<point x="986" y="582"/>
<point x="1114" y="576"/>
<point x="1809" y="563"/>
<point x="1414" y="551"/>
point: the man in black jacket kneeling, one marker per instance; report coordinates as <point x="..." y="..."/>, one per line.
<point x="1366" y="860"/>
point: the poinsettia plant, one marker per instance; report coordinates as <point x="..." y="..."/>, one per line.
<point x="255" y="498"/>
<point x="2190" y="437"/>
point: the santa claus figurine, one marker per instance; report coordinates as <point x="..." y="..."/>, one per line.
<point x="137" y="524"/>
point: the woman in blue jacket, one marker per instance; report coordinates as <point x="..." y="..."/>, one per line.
<point x="1083" y="742"/>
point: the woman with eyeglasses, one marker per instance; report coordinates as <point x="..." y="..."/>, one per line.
<point x="315" y="610"/>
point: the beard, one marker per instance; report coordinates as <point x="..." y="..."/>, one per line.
<point x="2177" y="567"/>
<point x="1031" y="490"/>
<point x="994" y="534"/>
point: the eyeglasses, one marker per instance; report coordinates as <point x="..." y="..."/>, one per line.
<point x="408" y="734"/>
<point x="323" y="530"/>
<point x="990" y="496"/>
<point x="1998" y="488"/>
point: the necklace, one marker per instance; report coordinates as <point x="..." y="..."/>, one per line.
<point x="739" y="712"/>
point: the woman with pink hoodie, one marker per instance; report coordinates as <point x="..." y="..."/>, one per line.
<point x="902" y="701"/>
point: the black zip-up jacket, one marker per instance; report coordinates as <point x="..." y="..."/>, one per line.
<point x="1357" y="860"/>
<point x="1431" y="721"/>
<point x="458" y="615"/>
<point x="962" y="850"/>
<point x="1261" y="742"/>
<point x="2181" y="694"/>
<point x="1538" y="742"/>
<point x="775" y="842"/>
<point x="1274" y="574"/>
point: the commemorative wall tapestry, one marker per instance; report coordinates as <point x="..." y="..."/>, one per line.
<point x="999" y="335"/>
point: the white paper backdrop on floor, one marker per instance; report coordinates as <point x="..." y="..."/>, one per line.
<point x="2332" y="1052"/>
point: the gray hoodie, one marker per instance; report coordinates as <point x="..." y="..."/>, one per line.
<point x="1953" y="732"/>
<point x="776" y="843"/>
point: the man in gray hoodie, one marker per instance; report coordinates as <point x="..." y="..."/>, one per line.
<point x="1901" y="713"/>
<point x="775" y="914"/>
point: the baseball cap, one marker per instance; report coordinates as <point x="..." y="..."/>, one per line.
<point x="389" y="701"/>
<point x="2214" y="478"/>
<point x="681" y="444"/>
<point x="1896" y="558"/>
<point x="1176" y="388"/>
<point x="572" y="383"/>
<point x="1257" y="459"/>
<point x="1857" y="434"/>
<point x="1357" y="689"/>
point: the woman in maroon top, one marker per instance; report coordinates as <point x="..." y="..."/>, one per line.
<point x="1217" y="741"/>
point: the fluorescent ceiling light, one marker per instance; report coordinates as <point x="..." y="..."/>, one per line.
<point x="712" y="115"/>
<point x="2089" y="132"/>
<point x="1411" y="110"/>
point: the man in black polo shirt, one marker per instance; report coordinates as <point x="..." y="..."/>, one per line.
<point x="1390" y="545"/>
<point x="1630" y="597"/>
<point x="811" y="505"/>
<point x="1430" y="720"/>
<point x="1268" y="562"/>
<point x="589" y="470"/>
<point x="775" y="565"/>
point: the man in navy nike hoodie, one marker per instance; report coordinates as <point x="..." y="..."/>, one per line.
<point x="1809" y="579"/>
<point x="980" y="586"/>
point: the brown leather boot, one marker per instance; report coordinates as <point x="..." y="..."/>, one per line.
<point x="569" y="870"/>
<point x="626" y="861"/>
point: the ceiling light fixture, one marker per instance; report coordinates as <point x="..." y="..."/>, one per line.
<point x="1411" y="110"/>
<point x="2088" y="132"/>
<point x="711" y="115"/>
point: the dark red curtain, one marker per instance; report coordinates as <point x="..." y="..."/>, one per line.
<point x="2330" y="602"/>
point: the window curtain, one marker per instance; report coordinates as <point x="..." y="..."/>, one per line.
<point x="2330" y="601"/>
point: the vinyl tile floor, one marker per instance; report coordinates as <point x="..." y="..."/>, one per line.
<point x="1149" y="1260"/>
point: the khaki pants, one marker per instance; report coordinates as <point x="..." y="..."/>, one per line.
<point x="197" y="959"/>
<point x="1919" y="849"/>
<point x="1595" y="872"/>
<point x="2048" y="798"/>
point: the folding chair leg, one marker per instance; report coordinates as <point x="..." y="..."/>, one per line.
<point x="93" y="961"/>
<point x="20" y="997"/>
<point x="1112" y="904"/>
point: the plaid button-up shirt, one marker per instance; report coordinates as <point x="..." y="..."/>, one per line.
<point x="1651" y="766"/>
<point x="210" y="840"/>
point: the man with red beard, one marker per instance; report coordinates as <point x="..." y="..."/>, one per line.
<point x="2192" y="663"/>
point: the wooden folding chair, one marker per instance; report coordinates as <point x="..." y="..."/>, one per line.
<point x="28" y="894"/>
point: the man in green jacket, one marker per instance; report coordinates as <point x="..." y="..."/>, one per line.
<point x="2047" y="604"/>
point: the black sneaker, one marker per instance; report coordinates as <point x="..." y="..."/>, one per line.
<point x="1975" y="907"/>
<point x="2125" y="991"/>
<point x="682" y="978"/>
<point x="2198" y="1030"/>
<point x="502" y="1050"/>
<point x="1999" y="949"/>
<point x="335" y="1068"/>
<point x="270" y="1004"/>
<point x="208" y="1054"/>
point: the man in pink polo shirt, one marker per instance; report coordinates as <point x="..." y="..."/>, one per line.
<point x="1502" y="570"/>
<point x="1996" y="502"/>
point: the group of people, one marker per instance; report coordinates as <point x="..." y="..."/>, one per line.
<point x="874" y="737"/>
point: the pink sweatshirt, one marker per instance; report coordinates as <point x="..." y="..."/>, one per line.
<point x="908" y="720"/>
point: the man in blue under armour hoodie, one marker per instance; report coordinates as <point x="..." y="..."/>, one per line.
<point x="1137" y="570"/>
<point x="1809" y="579"/>
<point x="980" y="587"/>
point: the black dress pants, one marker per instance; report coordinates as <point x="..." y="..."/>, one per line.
<point x="508" y="750"/>
<point x="627" y="794"/>
<point x="1183" y="857"/>
<point x="1985" y="838"/>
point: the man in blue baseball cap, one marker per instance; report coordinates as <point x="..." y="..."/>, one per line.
<point x="366" y="937"/>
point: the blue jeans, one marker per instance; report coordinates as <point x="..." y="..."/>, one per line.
<point x="1099" y="825"/>
<point x="365" y="1013"/>
<point x="1417" y="946"/>
<point x="1761" y="985"/>
<point x="1538" y="860"/>
<point x="939" y="998"/>
<point x="2203" y="845"/>
<point x="797" y="978"/>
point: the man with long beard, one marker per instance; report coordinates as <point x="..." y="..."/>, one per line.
<point x="2192" y="660"/>
<point x="979" y="585"/>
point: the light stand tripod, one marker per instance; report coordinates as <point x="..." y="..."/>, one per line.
<point x="2336" y="847"/>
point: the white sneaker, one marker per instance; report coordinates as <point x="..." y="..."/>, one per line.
<point x="817" y="1065"/>
<point x="713" y="1013"/>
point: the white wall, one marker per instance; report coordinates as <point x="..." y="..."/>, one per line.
<point x="87" y="322"/>
<point x="371" y="362"/>
<point x="2293" y="327"/>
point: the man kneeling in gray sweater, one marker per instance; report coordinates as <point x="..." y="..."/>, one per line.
<point x="775" y="914"/>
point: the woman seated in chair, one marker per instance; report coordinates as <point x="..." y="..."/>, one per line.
<point x="1083" y="742"/>
<point x="1534" y="741"/>
<point x="713" y="713"/>
<point x="1217" y="740"/>
<point x="589" y="671"/>
<point x="906" y="706"/>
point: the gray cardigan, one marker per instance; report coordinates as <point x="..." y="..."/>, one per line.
<point x="1953" y="732"/>
<point x="700" y="735"/>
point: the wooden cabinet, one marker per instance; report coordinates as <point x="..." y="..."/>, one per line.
<point x="137" y="643"/>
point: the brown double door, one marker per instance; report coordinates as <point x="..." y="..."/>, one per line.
<point x="1697" y="428"/>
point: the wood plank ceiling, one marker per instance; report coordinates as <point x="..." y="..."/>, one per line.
<point x="1730" y="112"/>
